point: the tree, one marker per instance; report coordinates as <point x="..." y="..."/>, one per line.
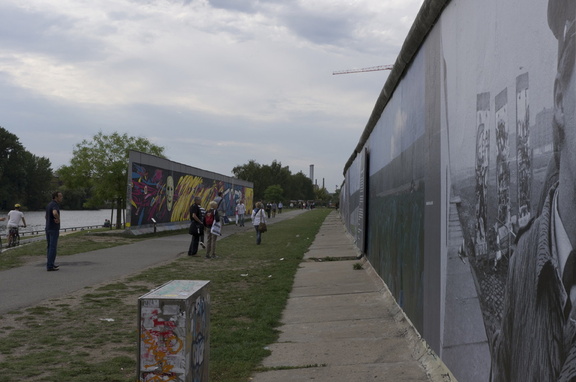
<point x="100" y="166"/>
<point x="263" y="176"/>
<point x="24" y="177"/>
<point x="322" y="195"/>
<point x="252" y="172"/>
<point x="38" y="174"/>
<point x="274" y="193"/>
<point x="302" y="188"/>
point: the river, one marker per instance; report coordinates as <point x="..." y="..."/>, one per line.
<point x="36" y="221"/>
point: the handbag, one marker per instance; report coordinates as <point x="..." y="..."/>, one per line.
<point x="262" y="226"/>
<point x="216" y="228"/>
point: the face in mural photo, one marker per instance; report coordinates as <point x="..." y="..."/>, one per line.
<point x="537" y="338"/>
<point x="169" y="192"/>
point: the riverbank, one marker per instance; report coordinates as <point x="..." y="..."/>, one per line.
<point x="36" y="220"/>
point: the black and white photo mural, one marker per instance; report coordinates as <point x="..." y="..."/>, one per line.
<point x="470" y="188"/>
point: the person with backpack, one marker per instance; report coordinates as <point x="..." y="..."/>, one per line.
<point x="210" y="218"/>
<point x="196" y="226"/>
<point x="258" y="216"/>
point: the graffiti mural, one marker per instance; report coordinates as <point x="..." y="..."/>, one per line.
<point x="163" y="195"/>
<point x="162" y="336"/>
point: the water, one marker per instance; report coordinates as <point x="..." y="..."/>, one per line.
<point x="36" y="221"/>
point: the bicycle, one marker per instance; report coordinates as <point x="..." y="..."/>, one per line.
<point x="13" y="237"/>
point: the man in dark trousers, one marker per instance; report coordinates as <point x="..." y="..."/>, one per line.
<point x="52" y="230"/>
<point x="196" y="226"/>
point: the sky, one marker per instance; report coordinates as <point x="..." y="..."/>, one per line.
<point x="217" y="83"/>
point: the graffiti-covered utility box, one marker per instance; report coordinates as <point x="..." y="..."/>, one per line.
<point x="174" y="332"/>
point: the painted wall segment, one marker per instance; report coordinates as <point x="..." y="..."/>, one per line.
<point x="164" y="191"/>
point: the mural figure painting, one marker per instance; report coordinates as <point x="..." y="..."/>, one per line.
<point x="537" y="337"/>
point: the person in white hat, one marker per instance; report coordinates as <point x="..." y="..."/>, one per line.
<point x="15" y="216"/>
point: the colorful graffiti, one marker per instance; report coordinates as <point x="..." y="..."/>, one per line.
<point x="174" y="333"/>
<point x="166" y="196"/>
<point x="163" y="356"/>
<point x="199" y="338"/>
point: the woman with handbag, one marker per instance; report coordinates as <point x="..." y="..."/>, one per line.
<point x="259" y="221"/>
<point x="213" y="226"/>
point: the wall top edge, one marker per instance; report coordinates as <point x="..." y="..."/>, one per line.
<point x="148" y="159"/>
<point x="425" y="20"/>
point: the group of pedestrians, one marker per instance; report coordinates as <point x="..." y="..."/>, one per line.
<point x="206" y="225"/>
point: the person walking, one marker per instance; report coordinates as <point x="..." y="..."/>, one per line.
<point x="268" y="209"/>
<point x="258" y="216"/>
<point x="196" y="226"/>
<point x="210" y="218"/>
<point x="15" y="216"/>
<point x="241" y="211"/>
<point x="53" y="230"/>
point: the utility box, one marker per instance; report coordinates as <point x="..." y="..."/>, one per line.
<point x="175" y="332"/>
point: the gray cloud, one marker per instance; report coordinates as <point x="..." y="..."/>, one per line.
<point x="49" y="34"/>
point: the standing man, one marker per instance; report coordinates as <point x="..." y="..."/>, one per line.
<point x="221" y="208"/>
<point x="537" y="337"/>
<point x="241" y="210"/>
<point x="52" y="230"/>
<point x="14" y="218"/>
<point x="197" y="226"/>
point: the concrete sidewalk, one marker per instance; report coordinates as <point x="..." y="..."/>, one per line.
<point x="342" y="324"/>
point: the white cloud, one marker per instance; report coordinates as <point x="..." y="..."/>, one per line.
<point x="252" y="77"/>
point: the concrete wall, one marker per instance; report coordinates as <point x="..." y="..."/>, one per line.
<point x="451" y="166"/>
<point x="163" y="190"/>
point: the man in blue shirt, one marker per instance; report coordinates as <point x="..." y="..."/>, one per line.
<point x="52" y="230"/>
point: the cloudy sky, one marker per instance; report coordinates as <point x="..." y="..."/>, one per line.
<point x="215" y="82"/>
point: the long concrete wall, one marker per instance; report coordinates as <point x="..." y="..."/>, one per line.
<point x="453" y="165"/>
<point x="162" y="190"/>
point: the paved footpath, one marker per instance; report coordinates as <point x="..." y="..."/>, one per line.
<point x="342" y="324"/>
<point x="30" y="284"/>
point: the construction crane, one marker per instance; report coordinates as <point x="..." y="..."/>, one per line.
<point x="370" y="69"/>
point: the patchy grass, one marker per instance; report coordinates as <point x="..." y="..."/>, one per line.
<point x="92" y="335"/>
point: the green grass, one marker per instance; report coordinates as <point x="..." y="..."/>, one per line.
<point x="93" y="336"/>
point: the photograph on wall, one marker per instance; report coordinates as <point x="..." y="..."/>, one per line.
<point x="396" y="189"/>
<point x="510" y="120"/>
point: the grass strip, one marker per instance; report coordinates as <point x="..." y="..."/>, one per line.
<point x="93" y="335"/>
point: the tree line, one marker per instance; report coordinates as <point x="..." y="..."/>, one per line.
<point x="274" y="182"/>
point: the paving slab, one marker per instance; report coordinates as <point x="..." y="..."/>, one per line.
<point x="341" y="323"/>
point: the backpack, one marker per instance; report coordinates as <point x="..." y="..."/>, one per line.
<point x="209" y="218"/>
